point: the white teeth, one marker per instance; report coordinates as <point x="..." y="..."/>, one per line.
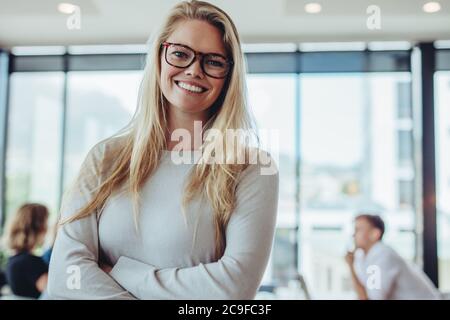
<point x="190" y="87"/>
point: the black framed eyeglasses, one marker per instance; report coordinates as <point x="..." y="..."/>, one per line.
<point x="181" y="56"/>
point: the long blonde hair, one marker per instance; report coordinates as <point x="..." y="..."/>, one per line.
<point x="145" y="137"/>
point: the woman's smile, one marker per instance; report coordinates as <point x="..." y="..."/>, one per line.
<point x="190" y="88"/>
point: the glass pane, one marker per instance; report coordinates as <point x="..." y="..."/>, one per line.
<point x="272" y="101"/>
<point x="99" y="105"/>
<point x="355" y="156"/>
<point x="442" y="81"/>
<point x="34" y="140"/>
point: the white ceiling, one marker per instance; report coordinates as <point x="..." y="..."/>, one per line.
<point x="37" y="22"/>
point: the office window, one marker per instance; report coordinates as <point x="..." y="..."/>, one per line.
<point x="442" y="116"/>
<point x="99" y="105"/>
<point x="404" y="100"/>
<point x="350" y="154"/>
<point x="283" y="262"/>
<point x="272" y="101"/>
<point x="406" y="194"/>
<point x="33" y="155"/>
<point x="351" y="134"/>
<point x="405" y="147"/>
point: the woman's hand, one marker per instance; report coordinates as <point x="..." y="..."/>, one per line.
<point x="105" y="267"/>
<point x="103" y="264"/>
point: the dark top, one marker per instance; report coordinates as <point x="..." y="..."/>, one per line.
<point x="22" y="272"/>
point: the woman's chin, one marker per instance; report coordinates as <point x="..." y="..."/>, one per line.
<point x="190" y="108"/>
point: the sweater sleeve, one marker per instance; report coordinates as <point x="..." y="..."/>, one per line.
<point x="74" y="272"/>
<point x="237" y="275"/>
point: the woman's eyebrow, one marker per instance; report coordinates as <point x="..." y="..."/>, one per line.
<point x="217" y="54"/>
<point x="213" y="53"/>
<point x="201" y="51"/>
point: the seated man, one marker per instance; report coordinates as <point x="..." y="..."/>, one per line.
<point x="378" y="272"/>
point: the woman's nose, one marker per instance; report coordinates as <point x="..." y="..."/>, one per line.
<point x="195" y="69"/>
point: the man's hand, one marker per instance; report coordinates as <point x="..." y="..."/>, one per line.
<point x="350" y="258"/>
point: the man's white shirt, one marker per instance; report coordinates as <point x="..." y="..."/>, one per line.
<point x="387" y="276"/>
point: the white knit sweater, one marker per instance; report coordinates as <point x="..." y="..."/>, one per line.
<point x="172" y="255"/>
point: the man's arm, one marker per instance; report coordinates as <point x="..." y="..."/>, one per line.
<point x="357" y="285"/>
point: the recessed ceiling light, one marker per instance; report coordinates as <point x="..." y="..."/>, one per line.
<point x="313" y="7"/>
<point x="66" y="8"/>
<point x="431" y="7"/>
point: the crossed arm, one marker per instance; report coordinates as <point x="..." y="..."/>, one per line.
<point x="237" y="275"/>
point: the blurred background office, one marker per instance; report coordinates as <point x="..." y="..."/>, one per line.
<point x="358" y="89"/>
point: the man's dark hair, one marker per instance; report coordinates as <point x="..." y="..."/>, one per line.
<point x="375" y="220"/>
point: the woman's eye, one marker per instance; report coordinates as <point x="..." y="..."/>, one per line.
<point x="215" y="63"/>
<point x="179" y="54"/>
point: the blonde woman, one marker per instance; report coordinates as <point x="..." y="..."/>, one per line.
<point x="26" y="273"/>
<point x="136" y="224"/>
